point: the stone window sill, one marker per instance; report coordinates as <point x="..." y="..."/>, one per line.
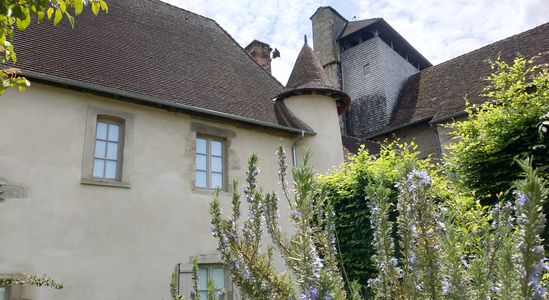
<point x="102" y="182"/>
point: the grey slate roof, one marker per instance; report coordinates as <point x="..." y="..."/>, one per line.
<point x="354" y="26"/>
<point x="150" y="48"/>
<point x="308" y="76"/>
<point x="439" y="92"/>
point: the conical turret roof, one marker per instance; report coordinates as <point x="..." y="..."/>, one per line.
<point x="308" y="77"/>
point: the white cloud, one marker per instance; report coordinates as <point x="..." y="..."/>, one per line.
<point x="440" y="30"/>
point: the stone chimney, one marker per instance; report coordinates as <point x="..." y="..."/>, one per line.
<point x="327" y="25"/>
<point x="261" y="53"/>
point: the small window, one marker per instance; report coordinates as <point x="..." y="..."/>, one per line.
<point x="107" y="159"/>
<point x="4" y="293"/>
<point x="366" y="69"/>
<point x="209" y="163"/>
<point x="215" y="273"/>
<point x="294" y="155"/>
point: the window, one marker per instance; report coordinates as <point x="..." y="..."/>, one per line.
<point x="107" y="159"/>
<point x="216" y="274"/>
<point x="4" y="293"/>
<point x="209" y="269"/>
<point x="107" y="148"/>
<point x="294" y="154"/>
<point x="366" y="69"/>
<point x="209" y="163"/>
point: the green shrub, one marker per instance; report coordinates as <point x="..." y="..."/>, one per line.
<point x="346" y="190"/>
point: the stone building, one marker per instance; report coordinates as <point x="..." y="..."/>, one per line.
<point x="395" y="91"/>
<point x="109" y="161"/>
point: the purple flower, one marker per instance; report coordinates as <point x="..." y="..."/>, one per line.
<point x="445" y="286"/>
<point x="311" y="293"/>
<point x="521" y="198"/>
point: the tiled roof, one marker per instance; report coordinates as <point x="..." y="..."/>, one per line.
<point x="308" y="76"/>
<point x="355" y="26"/>
<point x="351" y="145"/>
<point x="439" y="92"/>
<point x="151" y="48"/>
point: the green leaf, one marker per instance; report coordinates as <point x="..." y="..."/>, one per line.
<point x="95" y="8"/>
<point x="58" y="17"/>
<point x="78" y="6"/>
<point x="70" y="18"/>
<point x="50" y="12"/>
<point x="18" y="13"/>
<point x="41" y="16"/>
<point x="22" y="24"/>
<point x="62" y="6"/>
<point x="104" y="6"/>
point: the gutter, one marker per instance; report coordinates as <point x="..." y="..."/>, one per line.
<point x="449" y="117"/>
<point x="144" y="99"/>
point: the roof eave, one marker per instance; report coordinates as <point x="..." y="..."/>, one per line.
<point x="392" y="129"/>
<point x="342" y="98"/>
<point x="151" y="101"/>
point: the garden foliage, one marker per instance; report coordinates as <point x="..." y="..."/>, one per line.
<point x="509" y="124"/>
<point x="309" y="252"/>
<point x="346" y="189"/>
<point x="436" y="260"/>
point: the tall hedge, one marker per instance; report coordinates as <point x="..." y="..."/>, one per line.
<point x="508" y="126"/>
<point x="346" y="190"/>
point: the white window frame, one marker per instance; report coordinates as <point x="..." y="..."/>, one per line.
<point x="209" y="155"/>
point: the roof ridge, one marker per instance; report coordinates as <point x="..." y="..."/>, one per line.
<point x="224" y="31"/>
<point x="248" y="54"/>
<point x="181" y="8"/>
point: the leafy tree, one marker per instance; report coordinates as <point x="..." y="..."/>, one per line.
<point x="513" y="123"/>
<point x="17" y="15"/>
<point x="508" y="125"/>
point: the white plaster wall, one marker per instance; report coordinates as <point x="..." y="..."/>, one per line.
<point x="320" y="113"/>
<point x="115" y="243"/>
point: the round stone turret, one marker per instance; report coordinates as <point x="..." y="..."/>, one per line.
<point x="312" y="98"/>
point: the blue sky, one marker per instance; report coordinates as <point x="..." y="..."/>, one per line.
<point x="440" y="30"/>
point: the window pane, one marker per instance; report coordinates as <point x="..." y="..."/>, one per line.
<point x="203" y="295"/>
<point x="3" y="295"/>
<point x="113" y="132"/>
<point x="217" y="180"/>
<point x="202" y="278"/>
<point x="218" y="276"/>
<point x="216" y="164"/>
<point x="101" y="131"/>
<point x="216" y="148"/>
<point x="201" y="179"/>
<point x="112" y="149"/>
<point x="110" y="170"/>
<point x="98" y="168"/>
<point x="201" y="146"/>
<point x="201" y="162"/>
<point x="99" y="151"/>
